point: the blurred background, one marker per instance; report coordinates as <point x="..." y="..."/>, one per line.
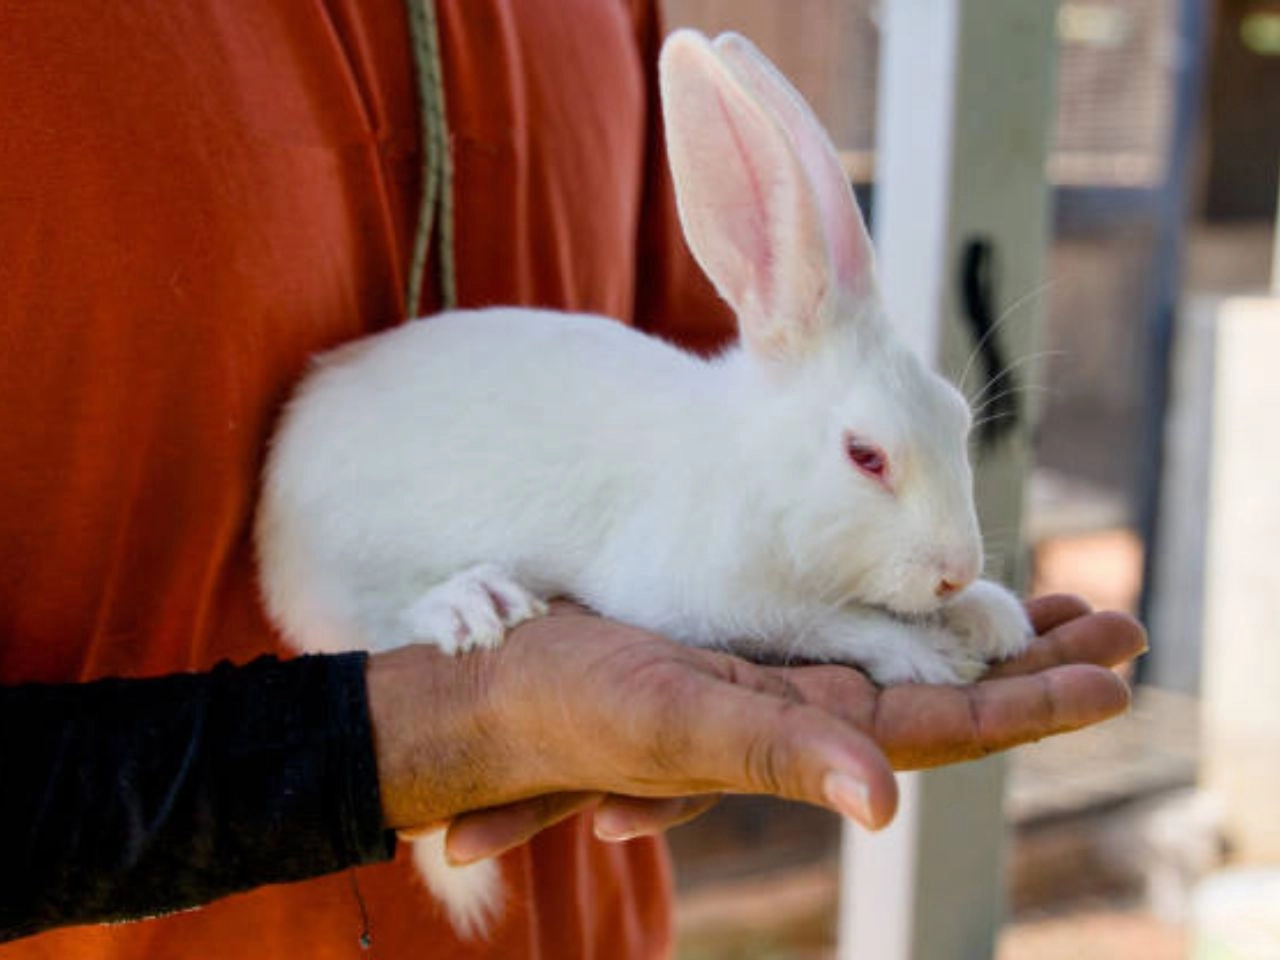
<point x="1155" y="489"/>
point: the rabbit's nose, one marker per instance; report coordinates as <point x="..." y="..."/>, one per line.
<point x="955" y="571"/>
<point x="946" y="588"/>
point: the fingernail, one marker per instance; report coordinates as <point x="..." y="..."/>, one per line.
<point x="410" y="834"/>
<point x="848" y="795"/>
<point x="614" y="829"/>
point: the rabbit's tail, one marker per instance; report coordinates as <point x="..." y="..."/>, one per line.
<point x="472" y="895"/>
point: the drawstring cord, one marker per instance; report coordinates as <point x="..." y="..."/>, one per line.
<point x="366" y="935"/>
<point x="435" y="211"/>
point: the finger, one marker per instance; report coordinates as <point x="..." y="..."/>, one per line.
<point x="1053" y="609"/>
<point x="625" y="818"/>
<point x="487" y="833"/>
<point x="920" y="726"/>
<point x="1105" y="639"/>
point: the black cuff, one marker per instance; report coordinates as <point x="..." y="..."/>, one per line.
<point x="130" y="798"/>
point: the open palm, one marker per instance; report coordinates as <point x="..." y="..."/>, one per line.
<point x="1061" y="682"/>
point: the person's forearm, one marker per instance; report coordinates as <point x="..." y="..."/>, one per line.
<point x="128" y="798"/>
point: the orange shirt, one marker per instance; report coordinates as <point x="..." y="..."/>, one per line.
<point x="195" y="197"/>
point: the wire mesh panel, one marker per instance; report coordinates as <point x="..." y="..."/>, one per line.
<point x="1115" y="97"/>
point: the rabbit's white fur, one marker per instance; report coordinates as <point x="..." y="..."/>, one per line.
<point x="472" y="894"/>
<point x="438" y="481"/>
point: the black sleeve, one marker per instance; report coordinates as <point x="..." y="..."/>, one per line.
<point x="122" y="799"/>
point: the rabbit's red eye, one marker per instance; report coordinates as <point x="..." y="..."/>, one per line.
<point x="867" y="457"/>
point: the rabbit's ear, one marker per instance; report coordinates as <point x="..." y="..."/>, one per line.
<point x="852" y="257"/>
<point x="749" y="212"/>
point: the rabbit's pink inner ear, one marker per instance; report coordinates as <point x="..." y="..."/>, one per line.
<point x="852" y="257"/>
<point x="730" y="210"/>
<point x="745" y="203"/>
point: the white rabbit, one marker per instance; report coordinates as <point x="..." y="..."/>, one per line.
<point x="805" y="496"/>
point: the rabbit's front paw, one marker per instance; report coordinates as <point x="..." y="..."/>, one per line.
<point x="919" y="656"/>
<point x="891" y="649"/>
<point x="471" y="609"/>
<point x="922" y="663"/>
<point x="988" y="620"/>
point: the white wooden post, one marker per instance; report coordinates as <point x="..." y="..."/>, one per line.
<point x="1241" y="725"/>
<point x="1241" y="660"/>
<point x="966" y="98"/>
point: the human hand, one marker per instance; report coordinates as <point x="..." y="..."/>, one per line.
<point x="574" y="703"/>
<point x="1060" y="683"/>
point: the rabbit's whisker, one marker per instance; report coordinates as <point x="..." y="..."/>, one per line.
<point x="1029" y="388"/>
<point x="1005" y="316"/>
<point x="1012" y="366"/>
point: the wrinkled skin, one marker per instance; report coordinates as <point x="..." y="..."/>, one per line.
<point x="575" y="712"/>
